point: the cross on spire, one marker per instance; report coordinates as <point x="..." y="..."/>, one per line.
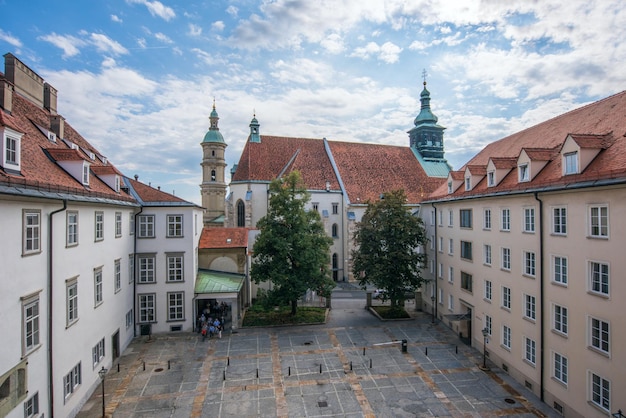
<point x="424" y="74"/>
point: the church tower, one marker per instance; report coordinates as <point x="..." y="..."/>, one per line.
<point x="427" y="136"/>
<point x="213" y="187"/>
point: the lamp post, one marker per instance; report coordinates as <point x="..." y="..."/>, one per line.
<point x="619" y="414"/>
<point x="432" y="306"/>
<point x="485" y="332"/>
<point x="102" y="372"/>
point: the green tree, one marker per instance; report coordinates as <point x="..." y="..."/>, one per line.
<point x="387" y="241"/>
<point x="292" y="249"/>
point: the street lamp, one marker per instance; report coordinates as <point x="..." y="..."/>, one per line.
<point x="619" y="414"/>
<point x="432" y="306"/>
<point x="485" y="332"/>
<point x="102" y="372"/>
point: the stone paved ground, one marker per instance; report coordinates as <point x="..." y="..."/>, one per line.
<point x="353" y="366"/>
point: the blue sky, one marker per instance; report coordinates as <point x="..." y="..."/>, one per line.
<point x="137" y="78"/>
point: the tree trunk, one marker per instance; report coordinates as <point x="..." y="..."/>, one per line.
<point x="294" y="306"/>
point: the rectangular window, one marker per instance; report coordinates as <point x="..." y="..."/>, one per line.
<point x="523" y="172"/>
<point x="559" y="221"/>
<point x="432" y="242"/>
<point x="560" y="319"/>
<point x="450" y="303"/>
<point x="529" y="219"/>
<point x="440" y="298"/>
<point x="506" y="258"/>
<point x="450" y="246"/>
<point x="487" y="254"/>
<point x="440" y="223"/>
<point x="466" y="218"/>
<point x="175" y="268"/>
<point x="118" y="224"/>
<point x="560" y="368"/>
<point x="117" y="275"/>
<point x="506" y="220"/>
<point x="450" y="218"/>
<point x="146" y="226"/>
<point x="530" y="307"/>
<point x="488" y="323"/>
<point x="599" y="221"/>
<point x="32" y="231"/>
<point x="466" y="250"/>
<point x="85" y="174"/>
<point x="440" y="271"/>
<point x="600" y="392"/>
<point x="571" y="163"/>
<point x="174" y="226"/>
<point x="129" y="318"/>
<point x="31" y="324"/>
<point x="506" y="297"/>
<point x="131" y="224"/>
<point x="147" y="307"/>
<point x="449" y="187"/>
<point x="335" y="208"/>
<point x="31" y="406"/>
<point x="529" y="263"/>
<point x="97" y="286"/>
<point x="599" y="278"/>
<point x="451" y="274"/>
<point x="72" y="228"/>
<point x="559" y="269"/>
<point x="468" y="183"/>
<point x="316" y="206"/>
<point x="506" y="337"/>
<point x="599" y="334"/>
<point x="147" y="273"/>
<point x="71" y="381"/>
<point x="131" y="268"/>
<point x="491" y="178"/>
<point x="97" y="352"/>
<point x="466" y="281"/>
<point x="440" y="244"/>
<point x="488" y="290"/>
<point x="487" y="219"/>
<point x="11" y="151"/>
<point x="176" y="306"/>
<point x="99" y="226"/>
<point x="530" y="350"/>
<point x="72" y="301"/>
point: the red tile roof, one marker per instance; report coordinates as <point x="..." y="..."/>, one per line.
<point x="504" y="162"/>
<point x="541" y="154"/>
<point x="215" y="238"/>
<point x="65" y="154"/>
<point x="149" y="194"/>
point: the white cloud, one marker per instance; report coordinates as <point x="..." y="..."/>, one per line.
<point x="105" y="44"/>
<point x="156" y="8"/>
<point x="218" y="26"/>
<point x="163" y="38"/>
<point x="333" y="43"/>
<point x="142" y="43"/>
<point x="11" y="40"/>
<point x="232" y="10"/>
<point x="116" y="18"/>
<point x="387" y="52"/>
<point x="194" y="30"/>
<point x="69" y="44"/>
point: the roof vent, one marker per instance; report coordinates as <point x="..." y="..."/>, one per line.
<point x="228" y="240"/>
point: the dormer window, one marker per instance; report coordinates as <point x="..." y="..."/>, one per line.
<point x="523" y="172"/>
<point x="117" y="183"/>
<point x="11" y="147"/>
<point x="449" y="187"/>
<point x="570" y="163"/>
<point x="491" y="178"/>
<point x="85" y="173"/>
<point x="468" y="183"/>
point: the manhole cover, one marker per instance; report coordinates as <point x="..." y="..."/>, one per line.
<point x="322" y="404"/>
<point x="160" y="369"/>
<point x="509" y="400"/>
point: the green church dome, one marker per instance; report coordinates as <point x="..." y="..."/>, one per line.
<point x="213" y="136"/>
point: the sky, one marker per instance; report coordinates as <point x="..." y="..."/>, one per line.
<point x="138" y="78"/>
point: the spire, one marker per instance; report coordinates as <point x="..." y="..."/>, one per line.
<point x="425" y="116"/>
<point x="254" y="129"/>
<point x="213" y="135"/>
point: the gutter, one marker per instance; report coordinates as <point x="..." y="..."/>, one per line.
<point x="135" y="278"/>
<point x="542" y="353"/>
<point x="435" y="272"/>
<point x="50" y="310"/>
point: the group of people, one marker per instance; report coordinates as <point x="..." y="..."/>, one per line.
<point x="211" y="321"/>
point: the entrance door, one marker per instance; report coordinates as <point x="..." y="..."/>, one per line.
<point x="115" y="344"/>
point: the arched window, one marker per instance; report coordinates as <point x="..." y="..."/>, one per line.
<point x="334" y="231"/>
<point x="241" y="213"/>
<point x="335" y="266"/>
<point x="212" y="153"/>
<point x="212" y="175"/>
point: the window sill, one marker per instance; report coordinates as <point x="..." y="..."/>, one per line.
<point x="175" y="320"/>
<point x="154" y="282"/>
<point x="529" y="276"/>
<point x="599" y="408"/>
<point x="487" y="300"/>
<point x="505" y="347"/>
<point x="560" y="382"/>
<point x="504" y="308"/>
<point x="31" y="351"/>
<point x="528" y="232"/>
<point x="531" y="364"/>
<point x="487" y="264"/>
<point x="529" y="319"/>
<point x="600" y="237"/>
<point x="598" y="351"/>
<point x="174" y="281"/>
<point x="175" y="236"/>
<point x="28" y="254"/>
<point x="68" y="326"/>
<point x="71" y="245"/>
<point x="505" y="269"/>
<point x="559" y="333"/>
<point x="559" y="284"/>
<point x="558" y="234"/>
<point x="598" y="294"/>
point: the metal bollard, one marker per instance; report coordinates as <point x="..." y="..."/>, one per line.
<point x="404" y="346"/>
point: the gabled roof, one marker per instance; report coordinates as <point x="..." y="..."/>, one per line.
<point x="149" y="196"/>
<point x="593" y="141"/>
<point x="477" y="170"/>
<point x="541" y="154"/>
<point x="504" y="162"/>
<point x="215" y="238"/>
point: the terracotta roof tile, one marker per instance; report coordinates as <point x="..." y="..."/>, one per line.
<point x="477" y="170"/>
<point x="593" y="141"/>
<point x="214" y="238"/>
<point x="457" y="175"/>
<point x="65" y="154"/>
<point x="149" y="194"/>
<point x="504" y="162"/>
<point x="542" y="154"/>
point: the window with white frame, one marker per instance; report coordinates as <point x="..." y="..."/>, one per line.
<point x="71" y="291"/>
<point x="559" y="269"/>
<point x="487" y="254"/>
<point x="559" y="221"/>
<point x="599" y="334"/>
<point x="449" y="187"/>
<point x="175" y="267"/>
<point x="451" y="274"/>
<point x="30" y="323"/>
<point x="440" y="296"/>
<point x="600" y="389"/>
<point x="175" y="306"/>
<point x="530" y="307"/>
<point x="570" y="163"/>
<point x="529" y="220"/>
<point x="491" y="178"/>
<point x="432" y="216"/>
<point x="118" y="224"/>
<point x="506" y="337"/>
<point x="174" y="226"/>
<point x="117" y="275"/>
<point x="440" y="221"/>
<point x="506" y="259"/>
<point x="147" y="307"/>
<point x="487" y="219"/>
<point x="450" y="303"/>
<point x="466" y="281"/>
<point x="11" y="152"/>
<point x="530" y="350"/>
<point x="450" y="217"/>
<point x="466" y="250"/>
<point x="146" y="226"/>
<point x="432" y="266"/>
<point x="524" y="174"/>
<point x="31" y="231"/>
<point x="440" y="271"/>
<point x="599" y="278"/>
<point x="131" y="223"/>
<point x="505" y="224"/>
<point x="488" y="290"/>
<point x="97" y="286"/>
<point x="85" y="173"/>
<point x="99" y="225"/>
<point x="560" y="368"/>
<point x="147" y="268"/>
<point x="440" y="244"/>
<point x="488" y="323"/>
<point x="450" y="246"/>
<point x="432" y="242"/>
<point x="31" y="406"/>
<point x="559" y="314"/>
<point x="71" y="381"/>
<point x="131" y="268"/>
<point x="599" y="221"/>
<point x="97" y="353"/>
<point x="506" y="297"/>
<point x="72" y="228"/>
<point x="529" y="263"/>
<point x="129" y="318"/>
<point x="465" y="216"/>
<point x="468" y="183"/>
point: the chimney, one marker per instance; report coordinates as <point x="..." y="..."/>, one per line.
<point x="26" y="81"/>
<point x="50" y="98"/>
<point x="57" y="125"/>
<point x="6" y="96"/>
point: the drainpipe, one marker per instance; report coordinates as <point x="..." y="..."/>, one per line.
<point x="434" y="302"/>
<point x="50" y="275"/>
<point x="134" y="275"/>
<point x="541" y="300"/>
